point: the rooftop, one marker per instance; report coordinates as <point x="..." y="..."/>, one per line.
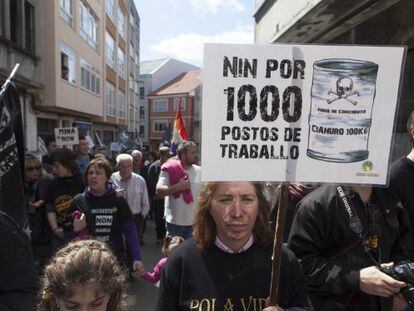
<point x="149" y="66"/>
<point x="184" y="83"/>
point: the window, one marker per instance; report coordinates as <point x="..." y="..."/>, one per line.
<point x="29" y="26"/>
<point x="136" y="102"/>
<point x="110" y="9"/>
<point x="131" y="51"/>
<point x="110" y="99"/>
<point x="137" y="59"/>
<point x="89" y="77"/>
<point x="131" y="116"/>
<point x="141" y="112"/>
<point x="88" y="26"/>
<point x="142" y="93"/>
<point x="121" y="105"/>
<point x="141" y="131"/>
<point x="131" y="98"/>
<point x="121" y="63"/>
<point x="16" y="22"/>
<point x="66" y="11"/>
<point x="121" y="23"/>
<point x="160" y="105"/>
<point x="2" y="18"/>
<point x="160" y="126"/>
<point x="67" y="63"/>
<point x="176" y="101"/>
<point x="110" y="50"/>
<point x="131" y="83"/>
<point x="136" y="115"/>
<point x="108" y="136"/>
<point x="131" y="20"/>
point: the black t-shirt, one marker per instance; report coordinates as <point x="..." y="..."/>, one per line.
<point x="18" y="275"/>
<point x="63" y="190"/>
<point x="217" y="280"/>
<point x="402" y="183"/>
<point x="105" y="216"/>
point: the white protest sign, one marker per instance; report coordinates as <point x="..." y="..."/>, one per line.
<point x="66" y="136"/>
<point x="299" y="113"/>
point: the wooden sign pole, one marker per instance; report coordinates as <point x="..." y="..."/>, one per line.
<point x="277" y="244"/>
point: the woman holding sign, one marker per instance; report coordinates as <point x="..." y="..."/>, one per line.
<point x="227" y="265"/>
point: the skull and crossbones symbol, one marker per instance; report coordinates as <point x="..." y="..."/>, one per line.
<point x="344" y="90"/>
<point x="4" y="119"/>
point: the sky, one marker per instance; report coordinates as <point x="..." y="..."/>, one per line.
<point x="178" y="28"/>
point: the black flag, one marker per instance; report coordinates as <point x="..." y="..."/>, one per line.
<point x="12" y="198"/>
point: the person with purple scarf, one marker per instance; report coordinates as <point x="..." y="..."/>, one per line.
<point x="106" y="214"/>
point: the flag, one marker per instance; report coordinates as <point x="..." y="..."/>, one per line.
<point x="179" y="134"/>
<point x="98" y="140"/>
<point x="12" y="197"/>
<point x="41" y="146"/>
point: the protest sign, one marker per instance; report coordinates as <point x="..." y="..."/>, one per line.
<point x="66" y="136"/>
<point x="299" y="113"/>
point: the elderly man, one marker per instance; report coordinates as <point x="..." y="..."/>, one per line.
<point x="134" y="188"/>
<point x="137" y="163"/>
<point x="180" y="183"/>
<point x="227" y="266"/>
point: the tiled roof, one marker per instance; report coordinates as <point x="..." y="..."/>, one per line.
<point x="184" y="83"/>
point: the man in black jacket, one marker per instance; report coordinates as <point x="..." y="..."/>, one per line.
<point x="402" y="176"/>
<point x="341" y="235"/>
<point x="157" y="203"/>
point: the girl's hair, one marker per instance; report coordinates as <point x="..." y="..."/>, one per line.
<point x="81" y="263"/>
<point x="100" y="163"/>
<point x="66" y="158"/>
<point x="205" y="229"/>
<point x="171" y="242"/>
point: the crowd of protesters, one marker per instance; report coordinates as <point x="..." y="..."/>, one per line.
<point x="342" y="241"/>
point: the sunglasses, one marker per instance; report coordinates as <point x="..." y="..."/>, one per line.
<point x="32" y="168"/>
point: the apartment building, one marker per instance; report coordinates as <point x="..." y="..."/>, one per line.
<point x="362" y="22"/>
<point x="72" y="52"/>
<point x="185" y="89"/>
<point x="121" y="68"/>
<point x="134" y="69"/>
<point x="154" y="74"/>
<point x="77" y="59"/>
<point x="21" y="41"/>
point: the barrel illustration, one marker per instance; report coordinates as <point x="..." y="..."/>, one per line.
<point x="342" y="98"/>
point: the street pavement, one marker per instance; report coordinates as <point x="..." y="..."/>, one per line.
<point x="141" y="295"/>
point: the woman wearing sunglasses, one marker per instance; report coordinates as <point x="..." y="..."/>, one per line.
<point x="37" y="185"/>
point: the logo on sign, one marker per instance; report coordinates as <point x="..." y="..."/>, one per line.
<point x="367" y="166"/>
<point x="103" y="220"/>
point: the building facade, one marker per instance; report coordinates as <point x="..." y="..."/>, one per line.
<point x="21" y="41"/>
<point x="121" y="59"/>
<point x="154" y="74"/>
<point x="73" y="65"/>
<point x="184" y="90"/>
<point x="353" y="22"/>
<point x="79" y="65"/>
